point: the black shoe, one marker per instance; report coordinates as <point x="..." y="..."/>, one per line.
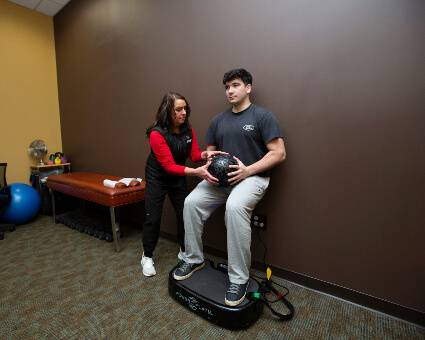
<point x="186" y="270"/>
<point x="236" y="294"/>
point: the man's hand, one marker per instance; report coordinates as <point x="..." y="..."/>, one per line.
<point x="241" y="172"/>
<point x="273" y="157"/>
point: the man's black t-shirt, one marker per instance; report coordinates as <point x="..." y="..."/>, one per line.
<point x="244" y="134"/>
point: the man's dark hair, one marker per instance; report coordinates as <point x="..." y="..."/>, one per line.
<point x="238" y="73"/>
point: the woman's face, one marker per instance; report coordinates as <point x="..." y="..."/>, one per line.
<point x="179" y="112"/>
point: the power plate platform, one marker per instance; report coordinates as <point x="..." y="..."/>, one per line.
<point x="204" y="292"/>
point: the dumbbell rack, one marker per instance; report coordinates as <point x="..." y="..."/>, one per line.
<point x="83" y="225"/>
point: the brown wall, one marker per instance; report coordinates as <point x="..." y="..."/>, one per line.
<point x="345" y="79"/>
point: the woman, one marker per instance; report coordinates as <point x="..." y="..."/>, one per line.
<point x="172" y="141"/>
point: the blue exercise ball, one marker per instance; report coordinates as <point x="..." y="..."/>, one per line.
<point x="24" y="206"/>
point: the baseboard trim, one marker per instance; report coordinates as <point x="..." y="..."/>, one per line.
<point x="379" y="305"/>
<point x="367" y="301"/>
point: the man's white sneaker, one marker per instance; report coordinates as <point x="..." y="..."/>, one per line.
<point x="147" y="264"/>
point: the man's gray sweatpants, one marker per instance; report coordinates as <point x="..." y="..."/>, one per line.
<point x="240" y="200"/>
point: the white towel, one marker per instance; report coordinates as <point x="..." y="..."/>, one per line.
<point x="109" y="183"/>
<point x="126" y="181"/>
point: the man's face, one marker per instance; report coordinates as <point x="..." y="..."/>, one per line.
<point x="236" y="91"/>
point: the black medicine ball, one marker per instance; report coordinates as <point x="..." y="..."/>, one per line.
<point x="219" y="168"/>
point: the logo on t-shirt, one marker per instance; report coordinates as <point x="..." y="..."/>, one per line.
<point x="248" y="127"/>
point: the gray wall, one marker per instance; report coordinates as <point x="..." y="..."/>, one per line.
<point x="345" y="79"/>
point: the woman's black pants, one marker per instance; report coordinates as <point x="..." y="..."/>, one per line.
<point x="154" y="201"/>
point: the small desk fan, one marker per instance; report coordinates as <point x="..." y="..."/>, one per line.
<point x="38" y="149"/>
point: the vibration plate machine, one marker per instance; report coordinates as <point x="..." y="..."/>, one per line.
<point x="204" y="292"/>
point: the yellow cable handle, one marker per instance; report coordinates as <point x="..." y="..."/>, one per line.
<point x="269" y="273"/>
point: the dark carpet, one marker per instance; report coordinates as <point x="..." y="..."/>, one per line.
<point x="58" y="283"/>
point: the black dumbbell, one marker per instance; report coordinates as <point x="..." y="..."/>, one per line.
<point x="72" y="225"/>
<point x="86" y="228"/>
<point x="80" y="226"/>
<point x="75" y="223"/>
<point x="109" y="237"/>
<point x="90" y="231"/>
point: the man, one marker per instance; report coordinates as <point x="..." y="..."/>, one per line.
<point x="251" y="134"/>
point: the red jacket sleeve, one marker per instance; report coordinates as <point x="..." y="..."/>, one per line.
<point x="195" y="153"/>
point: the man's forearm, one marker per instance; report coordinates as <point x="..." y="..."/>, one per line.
<point x="275" y="156"/>
<point x="270" y="160"/>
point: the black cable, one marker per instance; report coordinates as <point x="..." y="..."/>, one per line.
<point x="265" y="252"/>
<point x="267" y="287"/>
<point x="265" y="268"/>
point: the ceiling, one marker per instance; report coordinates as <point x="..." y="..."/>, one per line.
<point x="48" y="7"/>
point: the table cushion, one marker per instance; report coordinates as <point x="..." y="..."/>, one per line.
<point x="90" y="187"/>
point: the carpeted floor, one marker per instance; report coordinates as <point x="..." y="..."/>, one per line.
<point x="58" y="283"/>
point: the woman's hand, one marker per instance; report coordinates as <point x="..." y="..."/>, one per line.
<point x="202" y="172"/>
<point x="208" y="155"/>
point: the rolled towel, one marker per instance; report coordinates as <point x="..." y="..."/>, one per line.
<point x="122" y="183"/>
<point x="109" y="183"/>
<point x="130" y="182"/>
<point x="134" y="183"/>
